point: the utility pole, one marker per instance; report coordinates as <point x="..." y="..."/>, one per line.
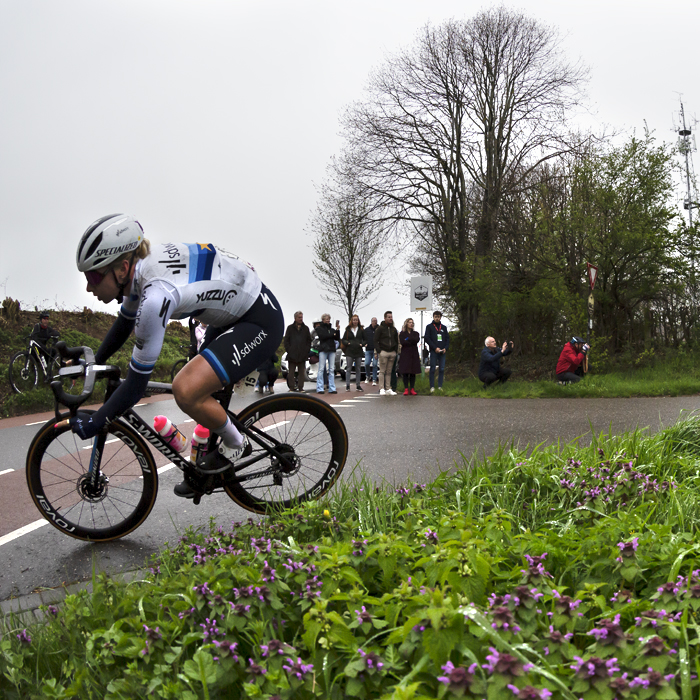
<point x="686" y="147"/>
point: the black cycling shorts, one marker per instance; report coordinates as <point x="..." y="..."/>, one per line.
<point x="236" y="350"/>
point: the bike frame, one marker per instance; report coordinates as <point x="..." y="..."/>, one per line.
<point x="33" y="348"/>
<point x="185" y="465"/>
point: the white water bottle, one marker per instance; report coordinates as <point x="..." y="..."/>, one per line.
<point x="170" y="433"/>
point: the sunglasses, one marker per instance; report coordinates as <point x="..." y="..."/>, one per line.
<point x="94" y="278"/>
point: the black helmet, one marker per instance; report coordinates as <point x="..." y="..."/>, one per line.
<point x="576" y="339"/>
<point x="43" y="314"/>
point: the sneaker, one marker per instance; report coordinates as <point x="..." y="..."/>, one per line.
<point x="332" y="391"/>
<point x="347" y="388"/>
<point x="413" y="392"/>
<point x="382" y="392"/>
<point x="391" y="392"/>
<point x="271" y="390"/>
<point x="374" y="383"/>
<point x="257" y="390"/>
<point x="432" y="389"/>
<point x="359" y="388"/>
<point x="406" y="392"/>
<point x="320" y="392"/>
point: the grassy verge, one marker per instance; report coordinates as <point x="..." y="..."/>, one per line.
<point x="675" y="379"/>
<point x="568" y="573"/>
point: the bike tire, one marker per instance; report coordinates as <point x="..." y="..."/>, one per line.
<point x="23" y="372"/>
<point x="319" y="439"/>
<point x="57" y="465"/>
<point x="176" y="368"/>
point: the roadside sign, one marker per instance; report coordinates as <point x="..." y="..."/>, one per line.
<point x="422" y="293"/>
<point x="592" y="274"/>
<point x="590" y="304"/>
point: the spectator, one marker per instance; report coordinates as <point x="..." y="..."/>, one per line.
<point x="268" y="374"/>
<point x="569" y="368"/>
<point x="438" y="340"/>
<point x="42" y="333"/>
<point x="353" y="343"/>
<point x="199" y="332"/>
<point x="370" y="353"/>
<point x="409" y="359"/>
<point x="297" y="344"/>
<point x="327" y="337"/>
<point x="386" y="343"/>
<point x="490" y="369"/>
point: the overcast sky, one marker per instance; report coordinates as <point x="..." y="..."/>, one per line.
<point x="211" y="121"/>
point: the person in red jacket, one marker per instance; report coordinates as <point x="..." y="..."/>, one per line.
<point x="569" y="367"/>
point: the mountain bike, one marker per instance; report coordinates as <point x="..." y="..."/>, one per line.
<point x="26" y="366"/>
<point x="104" y="488"/>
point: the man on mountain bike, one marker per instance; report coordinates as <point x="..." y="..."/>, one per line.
<point x="42" y="333"/>
<point x="168" y="281"/>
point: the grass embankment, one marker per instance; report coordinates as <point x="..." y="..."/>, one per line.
<point x="567" y="573"/>
<point x="76" y="328"/>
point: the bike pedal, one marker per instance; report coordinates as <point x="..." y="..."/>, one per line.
<point x="197" y="498"/>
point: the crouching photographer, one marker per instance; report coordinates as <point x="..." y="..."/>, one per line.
<point x="490" y="369"/>
<point x="570" y="365"/>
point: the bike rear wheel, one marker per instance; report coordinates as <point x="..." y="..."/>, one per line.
<point x="59" y="482"/>
<point x="313" y="437"/>
<point x="23" y="372"/>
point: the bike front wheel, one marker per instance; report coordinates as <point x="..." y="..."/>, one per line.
<point x="92" y="509"/>
<point x="23" y="372"/>
<point x="314" y="441"/>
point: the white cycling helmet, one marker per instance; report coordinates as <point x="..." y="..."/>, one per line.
<point x="107" y="239"/>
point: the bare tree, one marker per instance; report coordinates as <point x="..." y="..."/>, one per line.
<point x="347" y="251"/>
<point x="454" y="125"/>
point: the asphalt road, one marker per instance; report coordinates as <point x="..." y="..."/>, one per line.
<point x="391" y="438"/>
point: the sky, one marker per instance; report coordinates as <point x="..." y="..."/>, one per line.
<point x="214" y="121"/>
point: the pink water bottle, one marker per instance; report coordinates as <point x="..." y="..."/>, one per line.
<point x="169" y="432"/>
<point x="199" y="443"/>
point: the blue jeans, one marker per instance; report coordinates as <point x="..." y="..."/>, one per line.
<point x="323" y="358"/>
<point x="437" y="358"/>
<point x="370" y="363"/>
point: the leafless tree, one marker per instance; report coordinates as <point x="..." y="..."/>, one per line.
<point x="347" y="250"/>
<point x="452" y="126"/>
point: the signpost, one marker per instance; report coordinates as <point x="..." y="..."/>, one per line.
<point x="421" y="300"/>
<point x="592" y="271"/>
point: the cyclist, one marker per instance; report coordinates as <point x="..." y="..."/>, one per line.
<point x="168" y="281"/>
<point x="42" y="333"/>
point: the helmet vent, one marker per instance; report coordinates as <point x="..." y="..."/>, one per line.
<point x="94" y="246"/>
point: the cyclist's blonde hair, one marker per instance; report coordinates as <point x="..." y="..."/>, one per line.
<point x="139" y="254"/>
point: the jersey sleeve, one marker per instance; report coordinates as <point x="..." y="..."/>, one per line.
<point x="158" y="302"/>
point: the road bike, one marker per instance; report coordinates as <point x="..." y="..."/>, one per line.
<point x="27" y="365"/>
<point x="104" y="488"/>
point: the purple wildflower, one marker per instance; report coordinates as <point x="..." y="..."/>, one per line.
<point x="297" y="668"/>
<point x="457" y="678"/>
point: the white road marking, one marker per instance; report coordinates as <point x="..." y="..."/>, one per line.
<point x="39" y="422"/>
<point x="89" y="447"/>
<point x="353" y="401"/>
<point x="22" y="531"/>
<point x="189" y="420"/>
<point x="5" y="471"/>
<point x="164" y="468"/>
<point x="139" y="404"/>
<point x="276" y="425"/>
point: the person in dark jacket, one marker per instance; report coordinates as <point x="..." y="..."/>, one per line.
<point x="490" y="369"/>
<point x="409" y="359"/>
<point x="353" y="345"/>
<point x="438" y="340"/>
<point x="386" y="343"/>
<point x="370" y="353"/>
<point x="297" y="344"/>
<point x="327" y="337"/>
<point x="569" y="367"/>
<point x="43" y="334"/>
<point x="268" y="375"/>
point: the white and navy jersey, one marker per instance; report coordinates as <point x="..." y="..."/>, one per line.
<point x="178" y="280"/>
